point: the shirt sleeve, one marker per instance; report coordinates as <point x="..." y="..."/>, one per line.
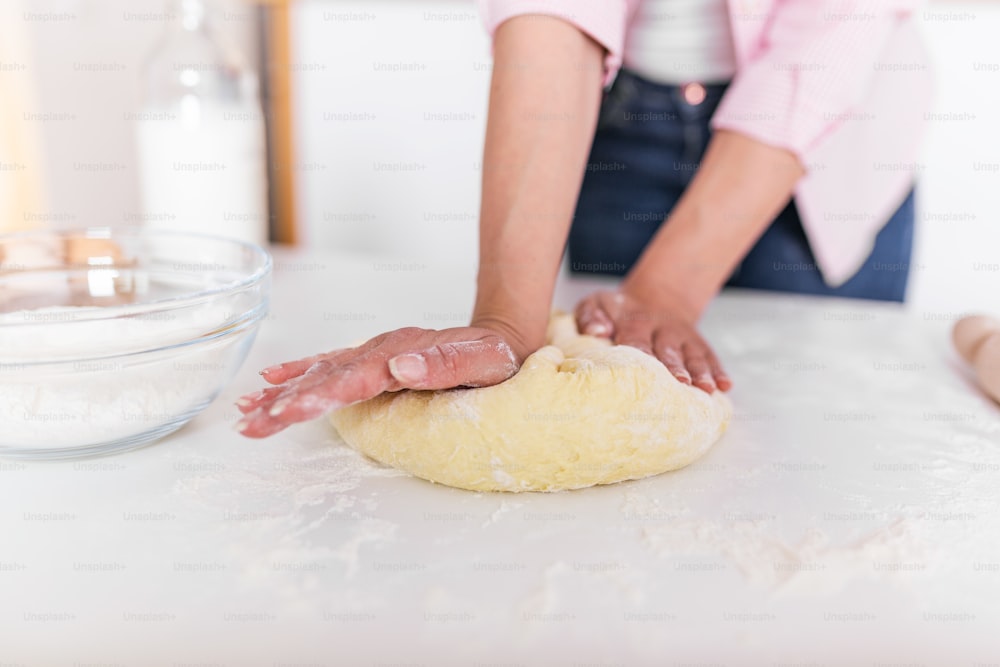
<point x="815" y="63"/>
<point x="603" y="20"/>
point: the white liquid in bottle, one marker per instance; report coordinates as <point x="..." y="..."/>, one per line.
<point x="207" y="176"/>
<point x="201" y="138"/>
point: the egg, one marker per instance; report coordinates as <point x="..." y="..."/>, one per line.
<point x="987" y="365"/>
<point x="970" y="332"/>
<point x="90" y="250"/>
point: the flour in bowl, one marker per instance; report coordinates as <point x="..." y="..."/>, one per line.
<point x="68" y="381"/>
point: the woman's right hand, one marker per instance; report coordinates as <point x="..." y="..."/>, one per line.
<point x="411" y="358"/>
<point x="532" y="168"/>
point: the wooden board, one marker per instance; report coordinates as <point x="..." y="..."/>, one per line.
<point x="276" y="61"/>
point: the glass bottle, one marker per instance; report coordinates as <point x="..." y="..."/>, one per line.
<point x="201" y="137"/>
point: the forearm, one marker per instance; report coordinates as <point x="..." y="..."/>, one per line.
<point x="741" y="185"/>
<point x="544" y="103"/>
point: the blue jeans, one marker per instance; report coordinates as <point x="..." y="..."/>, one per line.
<point x="648" y="145"/>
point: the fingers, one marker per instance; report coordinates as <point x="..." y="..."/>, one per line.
<point x="336" y="386"/>
<point x="719" y="375"/>
<point x="665" y="334"/>
<point x="286" y="371"/>
<point x="674" y="361"/>
<point x="250" y="402"/>
<point x="475" y="363"/>
<point x="280" y="373"/>
<point x="705" y="367"/>
<point x="696" y="361"/>
<point x="592" y="319"/>
<point x="407" y="358"/>
<point x="258" y="424"/>
<point x="691" y="360"/>
<point x="327" y="385"/>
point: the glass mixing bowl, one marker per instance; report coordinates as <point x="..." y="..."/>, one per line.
<point x="111" y="339"/>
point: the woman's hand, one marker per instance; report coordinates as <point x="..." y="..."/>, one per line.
<point x="666" y="330"/>
<point x="410" y="358"/>
<point x="532" y="169"/>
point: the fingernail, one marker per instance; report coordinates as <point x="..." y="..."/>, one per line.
<point x="249" y="399"/>
<point x="279" y="407"/>
<point x="242" y="425"/>
<point x="408" y="367"/>
<point x="596" y="329"/>
<point x="270" y="369"/>
<point x="683" y="377"/>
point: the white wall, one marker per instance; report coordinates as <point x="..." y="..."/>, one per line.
<point x="957" y="259"/>
<point x="346" y="204"/>
<point x="86" y="58"/>
<point x="391" y="114"/>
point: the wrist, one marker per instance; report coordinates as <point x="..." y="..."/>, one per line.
<point x="662" y="296"/>
<point x="521" y="335"/>
<point x="517" y="309"/>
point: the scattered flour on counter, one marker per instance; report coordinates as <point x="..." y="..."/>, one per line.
<point x="374" y="531"/>
<point x="541" y="604"/>
<point x="300" y="495"/>
<point x="603" y="580"/>
<point x="811" y="567"/>
<point x="504" y="507"/>
<point x="442" y="609"/>
<point x="640" y="507"/>
<point x="97" y="400"/>
<point x="320" y="470"/>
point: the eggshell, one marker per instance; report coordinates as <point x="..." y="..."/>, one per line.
<point x="86" y="250"/>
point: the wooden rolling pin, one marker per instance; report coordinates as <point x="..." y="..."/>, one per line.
<point x="977" y="339"/>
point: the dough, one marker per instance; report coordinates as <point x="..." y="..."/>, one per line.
<point x="580" y="412"/>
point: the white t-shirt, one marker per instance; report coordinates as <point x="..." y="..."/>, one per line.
<point x="680" y="41"/>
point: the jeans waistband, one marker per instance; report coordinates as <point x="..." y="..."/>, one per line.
<point x="670" y="97"/>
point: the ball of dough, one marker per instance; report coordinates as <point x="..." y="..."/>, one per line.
<point x="970" y="332"/>
<point x="580" y="412"/>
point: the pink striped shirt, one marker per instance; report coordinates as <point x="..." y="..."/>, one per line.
<point x="843" y="84"/>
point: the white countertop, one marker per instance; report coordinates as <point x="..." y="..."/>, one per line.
<point x="849" y="516"/>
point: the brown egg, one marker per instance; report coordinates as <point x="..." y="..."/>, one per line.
<point x="987" y="365"/>
<point x="96" y="251"/>
<point x="970" y="332"/>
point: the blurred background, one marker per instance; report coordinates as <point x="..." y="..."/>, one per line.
<point x="368" y="125"/>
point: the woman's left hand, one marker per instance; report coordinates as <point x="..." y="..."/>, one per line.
<point x="666" y="330"/>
